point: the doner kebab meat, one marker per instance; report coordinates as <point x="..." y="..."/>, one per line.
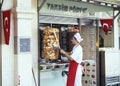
<point x="49" y="42"/>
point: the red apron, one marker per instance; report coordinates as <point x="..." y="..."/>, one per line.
<point x="72" y="73"/>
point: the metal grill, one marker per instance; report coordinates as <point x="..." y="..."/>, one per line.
<point x="113" y="81"/>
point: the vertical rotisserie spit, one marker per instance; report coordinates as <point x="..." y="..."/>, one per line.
<point x="49" y="42"/>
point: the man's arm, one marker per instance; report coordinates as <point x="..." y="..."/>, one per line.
<point x="66" y="54"/>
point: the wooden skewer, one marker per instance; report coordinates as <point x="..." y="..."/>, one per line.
<point x="56" y="38"/>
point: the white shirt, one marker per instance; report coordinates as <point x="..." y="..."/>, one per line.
<point x="77" y="55"/>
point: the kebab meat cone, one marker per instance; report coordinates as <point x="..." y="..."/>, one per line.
<point x="49" y="42"/>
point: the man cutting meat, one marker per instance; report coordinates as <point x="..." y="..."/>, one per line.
<point x="75" y="57"/>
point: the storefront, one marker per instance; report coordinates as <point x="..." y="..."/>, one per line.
<point x="81" y="15"/>
<point x="21" y="58"/>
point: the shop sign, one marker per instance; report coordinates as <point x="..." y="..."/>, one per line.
<point x="71" y="8"/>
<point x="24" y="45"/>
<point x="66" y="8"/>
<point x="21" y="45"/>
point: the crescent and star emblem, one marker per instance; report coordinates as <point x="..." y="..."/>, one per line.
<point x="6" y="23"/>
<point x="105" y="25"/>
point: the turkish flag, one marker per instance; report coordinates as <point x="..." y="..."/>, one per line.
<point x="6" y="25"/>
<point x="106" y="24"/>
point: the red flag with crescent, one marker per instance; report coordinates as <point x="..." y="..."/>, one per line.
<point x="6" y="25"/>
<point x="106" y="24"/>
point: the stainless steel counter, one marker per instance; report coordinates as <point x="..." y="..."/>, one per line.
<point x="51" y="74"/>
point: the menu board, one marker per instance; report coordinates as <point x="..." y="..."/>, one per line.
<point x="89" y="76"/>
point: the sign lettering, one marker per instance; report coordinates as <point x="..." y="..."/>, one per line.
<point x="63" y="7"/>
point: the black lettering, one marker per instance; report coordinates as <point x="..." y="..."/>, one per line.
<point x="60" y="7"/>
<point x="77" y="9"/>
<point x="51" y="7"/>
<point x="74" y="8"/>
<point x="84" y="9"/>
<point x="63" y="7"/>
<point x="80" y="9"/>
<point x="48" y="5"/>
<point x="66" y="8"/>
<point x="70" y="8"/>
<point x="56" y="7"/>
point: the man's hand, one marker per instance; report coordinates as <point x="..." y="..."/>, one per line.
<point x="56" y="48"/>
<point x="62" y="51"/>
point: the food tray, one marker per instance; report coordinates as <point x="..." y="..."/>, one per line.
<point x="53" y="66"/>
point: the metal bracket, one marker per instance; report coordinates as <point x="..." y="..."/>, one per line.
<point x="1" y="4"/>
<point x="41" y="5"/>
<point x="114" y="16"/>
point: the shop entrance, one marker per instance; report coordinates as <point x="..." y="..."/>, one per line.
<point x="64" y="14"/>
<point x="89" y="32"/>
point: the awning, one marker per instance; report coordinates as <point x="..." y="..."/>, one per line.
<point x="78" y="8"/>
